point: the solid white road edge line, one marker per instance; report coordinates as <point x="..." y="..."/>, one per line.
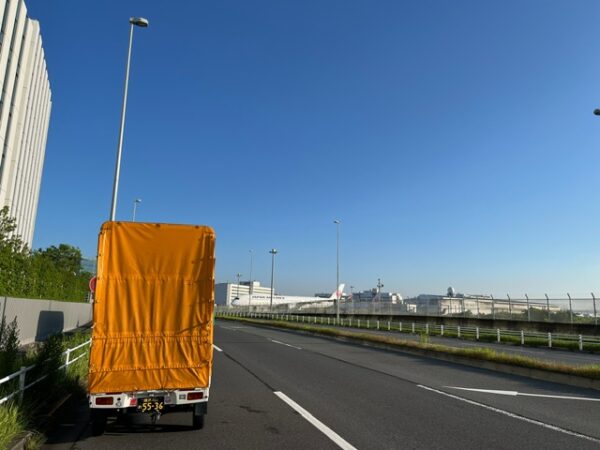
<point x="514" y="416"/>
<point x="521" y="394"/>
<point x="339" y="441"/>
<point x="217" y="348"/>
<point x="283" y="343"/>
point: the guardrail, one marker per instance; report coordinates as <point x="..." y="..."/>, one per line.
<point x="521" y="337"/>
<point x="22" y="373"/>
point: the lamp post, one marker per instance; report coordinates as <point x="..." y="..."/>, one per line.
<point x="251" y="283"/>
<point x="136" y="202"/>
<point x="273" y="252"/>
<point x="138" y="22"/>
<point x="238" y="285"/>
<point x="337" y="272"/>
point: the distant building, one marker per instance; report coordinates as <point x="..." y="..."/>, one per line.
<point x="468" y="304"/>
<point x="25" y="105"/>
<point x="225" y="293"/>
<point x="373" y="296"/>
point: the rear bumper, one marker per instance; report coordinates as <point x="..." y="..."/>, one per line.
<point x="178" y="399"/>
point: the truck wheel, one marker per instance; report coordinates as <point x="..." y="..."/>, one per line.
<point x="98" y="423"/>
<point x="197" y="421"/>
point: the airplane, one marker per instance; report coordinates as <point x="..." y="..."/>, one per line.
<point x="265" y="299"/>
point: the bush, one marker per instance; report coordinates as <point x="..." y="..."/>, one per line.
<point x="9" y="347"/>
<point x="52" y="273"/>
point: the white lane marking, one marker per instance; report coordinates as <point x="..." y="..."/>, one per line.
<point x="232" y="328"/>
<point x="340" y="442"/>
<point x="217" y="348"/>
<point x="514" y="416"/>
<point x="521" y="394"/>
<point x="283" y="343"/>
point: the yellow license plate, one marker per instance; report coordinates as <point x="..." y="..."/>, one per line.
<point x="151" y="404"/>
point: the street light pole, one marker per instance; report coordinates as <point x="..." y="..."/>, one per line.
<point x="273" y="252"/>
<point x="337" y="272"/>
<point x="238" y="285"/>
<point x="251" y="282"/>
<point x="135" y="203"/>
<point x="139" y="22"/>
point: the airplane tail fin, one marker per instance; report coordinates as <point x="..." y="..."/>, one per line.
<point x="340" y="292"/>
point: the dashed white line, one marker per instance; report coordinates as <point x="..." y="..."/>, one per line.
<point x="283" y="343"/>
<point x="521" y="394"/>
<point x="217" y="348"/>
<point x="339" y="441"/>
<point x="514" y="416"/>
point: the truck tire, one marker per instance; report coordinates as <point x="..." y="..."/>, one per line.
<point x="98" y="423"/>
<point x="197" y="421"/>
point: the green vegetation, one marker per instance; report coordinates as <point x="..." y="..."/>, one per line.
<point x="54" y="273"/>
<point x="591" y="371"/>
<point x="12" y="424"/>
<point x="16" y="419"/>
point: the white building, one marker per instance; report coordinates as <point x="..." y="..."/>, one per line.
<point x="374" y="296"/>
<point x="225" y="293"/>
<point x="25" y="105"/>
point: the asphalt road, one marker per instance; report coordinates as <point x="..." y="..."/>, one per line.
<point x="353" y="397"/>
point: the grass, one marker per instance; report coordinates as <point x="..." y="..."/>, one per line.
<point x="591" y="371"/>
<point x="12" y="423"/>
<point x="16" y="420"/>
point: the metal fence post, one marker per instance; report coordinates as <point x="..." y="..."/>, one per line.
<point x="522" y="337"/>
<point x="528" y="311"/>
<point x="426" y="328"/>
<point x="22" y="374"/>
<point x="548" y="306"/>
<point x="441" y="330"/>
<point x="580" y="343"/>
<point x="550" y="340"/>
<point x="400" y="326"/>
<point x="68" y="360"/>
<point x="413" y="327"/>
<point x="476" y="333"/>
<point x="595" y="316"/>
<point x="378" y="324"/>
<point x="389" y="325"/>
<point x="498" y="334"/>
<point x="458" y="331"/>
<point x="570" y="308"/>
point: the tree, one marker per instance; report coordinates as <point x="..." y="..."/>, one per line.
<point x="65" y="257"/>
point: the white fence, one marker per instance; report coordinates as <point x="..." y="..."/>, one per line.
<point x="22" y="373"/>
<point x="522" y="337"/>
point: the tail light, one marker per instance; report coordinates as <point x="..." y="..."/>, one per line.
<point x="104" y="400"/>
<point x="195" y="395"/>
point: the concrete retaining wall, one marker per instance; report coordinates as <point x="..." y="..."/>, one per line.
<point x="38" y="319"/>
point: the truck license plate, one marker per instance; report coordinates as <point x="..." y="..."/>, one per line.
<point x="151" y="404"/>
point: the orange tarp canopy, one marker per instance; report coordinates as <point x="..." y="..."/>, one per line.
<point x="153" y="308"/>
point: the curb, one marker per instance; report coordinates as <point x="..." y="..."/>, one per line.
<point x="536" y="374"/>
<point x="21" y="443"/>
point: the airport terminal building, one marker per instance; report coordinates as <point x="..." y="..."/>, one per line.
<point x="225" y="293"/>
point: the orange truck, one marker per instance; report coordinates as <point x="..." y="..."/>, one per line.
<point x="152" y="335"/>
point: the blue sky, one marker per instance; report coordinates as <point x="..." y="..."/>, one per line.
<point x="454" y="140"/>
